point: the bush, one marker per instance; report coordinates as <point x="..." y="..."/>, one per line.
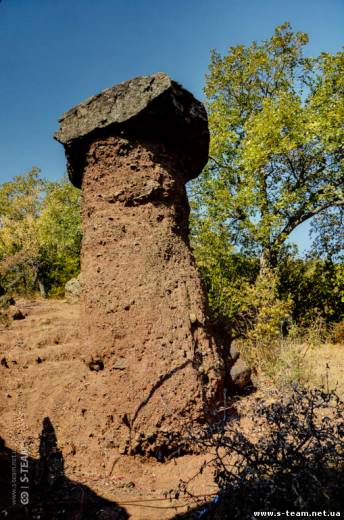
<point x="294" y="459"/>
<point x="337" y="332"/>
<point x="316" y="287"/>
<point x="265" y="313"/>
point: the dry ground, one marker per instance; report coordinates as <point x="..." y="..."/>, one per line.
<point x="326" y="367"/>
<point x="41" y="366"/>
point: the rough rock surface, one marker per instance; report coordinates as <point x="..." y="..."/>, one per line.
<point x="73" y="290"/>
<point x="144" y="327"/>
<point x="240" y="375"/>
<point x="154" y="105"/>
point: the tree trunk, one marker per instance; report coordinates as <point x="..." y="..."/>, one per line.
<point x="41" y="288"/>
<point x="268" y="259"/>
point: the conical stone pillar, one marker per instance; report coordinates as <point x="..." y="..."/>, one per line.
<point x="131" y="149"/>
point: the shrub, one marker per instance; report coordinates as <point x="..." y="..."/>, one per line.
<point x="263" y="340"/>
<point x="294" y="459"/>
<point x="337" y="333"/>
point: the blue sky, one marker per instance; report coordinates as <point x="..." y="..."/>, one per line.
<point x="55" y="53"/>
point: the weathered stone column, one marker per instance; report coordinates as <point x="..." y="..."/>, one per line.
<point x="131" y="149"/>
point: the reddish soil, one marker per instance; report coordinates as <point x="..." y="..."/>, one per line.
<point x="41" y="370"/>
<point x="44" y="376"/>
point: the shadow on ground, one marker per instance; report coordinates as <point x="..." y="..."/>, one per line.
<point x="39" y="489"/>
<point x="244" y="503"/>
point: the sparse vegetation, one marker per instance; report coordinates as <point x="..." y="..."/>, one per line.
<point x="292" y="458"/>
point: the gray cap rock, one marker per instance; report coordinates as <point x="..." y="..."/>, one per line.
<point x="151" y="108"/>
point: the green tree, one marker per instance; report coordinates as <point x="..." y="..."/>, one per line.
<point x="328" y="232"/>
<point x="40" y="233"/>
<point x="226" y="273"/>
<point x="20" y="202"/>
<point x="277" y="155"/>
<point x="316" y="286"/>
<point x="59" y="234"/>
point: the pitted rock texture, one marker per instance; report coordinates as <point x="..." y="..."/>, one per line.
<point x="144" y="330"/>
<point x="154" y="104"/>
<point x="143" y="318"/>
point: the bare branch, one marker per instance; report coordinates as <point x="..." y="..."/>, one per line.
<point x="300" y="218"/>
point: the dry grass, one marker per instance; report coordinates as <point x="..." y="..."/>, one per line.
<point x="301" y="361"/>
<point x="326" y="366"/>
<point x="313" y="366"/>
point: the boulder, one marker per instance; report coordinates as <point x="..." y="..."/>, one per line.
<point x="233" y="352"/>
<point x="240" y="375"/>
<point x="154" y="106"/>
<point x="73" y="290"/>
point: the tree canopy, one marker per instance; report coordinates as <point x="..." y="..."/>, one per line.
<point x="276" y="155"/>
<point x="40" y="233"/>
<point x="276" y="161"/>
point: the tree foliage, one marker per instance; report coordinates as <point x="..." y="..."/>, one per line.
<point x="227" y="274"/>
<point x="277" y="156"/>
<point x="276" y="161"/>
<point x="328" y="232"/>
<point x="40" y="233"/>
<point x="316" y="286"/>
<point x="60" y="234"/>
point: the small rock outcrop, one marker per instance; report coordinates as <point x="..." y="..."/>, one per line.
<point x="144" y="323"/>
<point x="240" y="375"/>
<point x="73" y="290"/>
<point x="15" y="313"/>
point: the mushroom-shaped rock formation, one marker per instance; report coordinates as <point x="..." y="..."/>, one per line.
<point x="144" y="328"/>
<point x="154" y="107"/>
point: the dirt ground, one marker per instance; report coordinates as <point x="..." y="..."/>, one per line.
<point x="41" y="369"/>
